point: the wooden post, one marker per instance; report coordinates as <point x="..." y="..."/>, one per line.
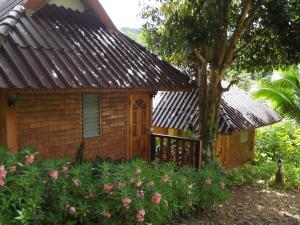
<point x="200" y="154"/>
<point x="169" y="150"/>
<point x="152" y="147"/>
<point x="8" y="122"/>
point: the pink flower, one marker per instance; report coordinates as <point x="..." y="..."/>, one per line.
<point x="138" y="171"/>
<point x="222" y="185"/>
<point x="106" y="213"/>
<point x="151" y="184"/>
<point x="132" y="180"/>
<point x="72" y="210"/>
<point x="165" y="178"/>
<point x="2" y="172"/>
<point x="140" y="194"/>
<point x="208" y="182"/>
<point x="13" y="169"/>
<point x="54" y="174"/>
<point x="29" y="159"/>
<point x="139" y="183"/>
<point x="107" y="187"/>
<point x="141" y="215"/>
<point x="2" y="183"/>
<point x="76" y="182"/>
<point x="126" y="202"/>
<point x="119" y="185"/>
<point x="156" y="198"/>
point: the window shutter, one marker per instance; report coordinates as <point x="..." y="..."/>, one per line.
<point x="91" y="115"/>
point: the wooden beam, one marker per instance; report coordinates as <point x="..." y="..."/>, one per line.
<point x="8" y="125"/>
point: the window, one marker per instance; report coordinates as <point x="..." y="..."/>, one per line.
<point x="244" y="136"/>
<point x="91" y="115"/>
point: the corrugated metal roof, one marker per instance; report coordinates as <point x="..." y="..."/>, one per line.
<point x="7" y="5"/>
<point x="61" y="48"/>
<point x="239" y="112"/>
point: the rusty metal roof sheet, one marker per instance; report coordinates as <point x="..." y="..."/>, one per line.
<point x="61" y="48"/>
<point x="239" y="112"/>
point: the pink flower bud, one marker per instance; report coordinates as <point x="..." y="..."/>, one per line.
<point x="54" y="174"/>
<point x="139" y="183"/>
<point x="2" y="172"/>
<point x="156" y="198"/>
<point x="138" y="171"/>
<point x="107" y="187"/>
<point x="126" y="202"/>
<point x="72" y="210"/>
<point x="141" y="215"/>
<point x="222" y="185"/>
<point x="13" y="169"/>
<point x="2" y="183"/>
<point x="140" y="194"/>
<point x="29" y="159"/>
<point x="106" y="214"/>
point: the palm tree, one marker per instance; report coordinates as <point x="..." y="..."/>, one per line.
<point x="283" y="93"/>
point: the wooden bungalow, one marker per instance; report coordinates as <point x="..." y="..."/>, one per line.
<point x="68" y="76"/>
<point x="175" y="113"/>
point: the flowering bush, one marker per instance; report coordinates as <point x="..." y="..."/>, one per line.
<point x="58" y="192"/>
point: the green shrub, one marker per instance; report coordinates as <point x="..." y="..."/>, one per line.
<point x="279" y="141"/>
<point x="58" y="192"/>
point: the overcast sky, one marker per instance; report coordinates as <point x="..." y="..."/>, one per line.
<point x="124" y="13"/>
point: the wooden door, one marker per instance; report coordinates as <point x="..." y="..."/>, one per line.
<point x="139" y="126"/>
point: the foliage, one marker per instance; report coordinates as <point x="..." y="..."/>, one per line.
<point x="208" y="38"/>
<point x="283" y="93"/>
<point x="279" y="141"/>
<point x="266" y="33"/>
<point x="58" y="192"/>
<point x="134" y="34"/>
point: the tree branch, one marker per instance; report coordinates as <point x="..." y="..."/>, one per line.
<point x="199" y="56"/>
<point x="233" y="82"/>
<point x="254" y="12"/>
<point x="249" y="42"/>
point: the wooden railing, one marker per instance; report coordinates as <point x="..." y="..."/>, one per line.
<point x="173" y="148"/>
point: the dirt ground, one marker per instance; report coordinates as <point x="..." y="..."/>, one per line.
<point x="253" y="206"/>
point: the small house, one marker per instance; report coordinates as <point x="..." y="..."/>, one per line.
<point x="175" y="113"/>
<point x="68" y="76"/>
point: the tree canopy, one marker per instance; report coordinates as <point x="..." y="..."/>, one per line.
<point x="209" y="37"/>
<point x="249" y="34"/>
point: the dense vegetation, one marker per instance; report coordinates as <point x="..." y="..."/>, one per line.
<point x="58" y="192"/>
<point x="279" y="141"/>
<point x="209" y="38"/>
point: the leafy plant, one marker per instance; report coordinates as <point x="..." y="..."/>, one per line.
<point x="283" y="93"/>
<point x="60" y="192"/>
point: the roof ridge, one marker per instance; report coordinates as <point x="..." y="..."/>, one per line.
<point x="10" y="20"/>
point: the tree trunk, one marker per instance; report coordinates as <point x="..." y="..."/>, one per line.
<point x="209" y="109"/>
